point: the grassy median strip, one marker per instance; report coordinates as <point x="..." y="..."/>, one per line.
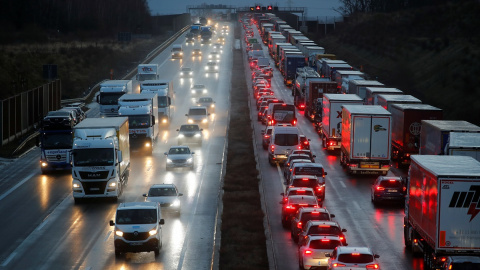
<point x="243" y="244"/>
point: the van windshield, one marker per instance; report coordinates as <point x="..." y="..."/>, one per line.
<point x="137" y="216"/>
<point x="308" y="170"/>
<point x="197" y="112"/>
<point x="286" y="139"/>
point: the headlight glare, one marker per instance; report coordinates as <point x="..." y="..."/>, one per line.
<point x="119" y="233"/>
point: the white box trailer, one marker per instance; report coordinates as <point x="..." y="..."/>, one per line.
<point x="340" y="74"/>
<point x="366" y="139"/>
<point x="332" y="118"/>
<point x="372" y="93"/>
<point x="386" y="101"/>
<point x="441" y="208"/>
<point x="436" y="133"/>
<point x="359" y="87"/>
<point x="464" y="144"/>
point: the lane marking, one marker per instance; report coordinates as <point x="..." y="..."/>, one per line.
<point x="16" y="186"/>
<point x="108" y="236"/>
<point x="42" y="225"/>
<point x="356" y="205"/>
<point x="343" y="184"/>
<point x="5" y="263"/>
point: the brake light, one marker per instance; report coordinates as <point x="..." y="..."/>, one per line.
<point x="291" y="207"/>
<point x="302" y="106"/>
<point x="315" y="213"/>
<point x="356" y="254"/>
<point x="392" y="180"/>
<point x="267" y="136"/>
<point x="338" y="265"/>
<point x="404" y="189"/>
<point x="319" y="188"/>
<point x="294" y="121"/>
<point x="343" y="238"/>
<point x="443" y="259"/>
<point x="308" y="252"/>
<point x="380" y="188"/>
<point x="372" y="266"/>
<point x="299" y="147"/>
<point x="272" y="147"/>
<point x="284" y="104"/>
<point x="304" y="179"/>
<point x="299" y="225"/>
<point x="325" y="240"/>
<point x="305" y="142"/>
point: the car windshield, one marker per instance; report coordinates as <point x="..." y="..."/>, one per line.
<point x="59" y="113"/>
<point x="57" y="140"/>
<point x="211" y="64"/>
<point x="110" y="98"/>
<point x="355" y="258"/>
<point x="314" y="216"/>
<point x="391" y="184"/>
<point x="286" y="139"/>
<point x="324" y="229"/>
<point x="137" y="216"/>
<point x="187" y="128"/>
<point x="199" y="86"/>
<point x="186" y="69"/>
<point x="302" y="200"/>
<point x="199" y="111"/>
<point x="205" y="100"/>
<point x="179" y="151"/>
<point x="324" y="244"/>
<point x="159" y="191"/>
<point x="308" y="170"/>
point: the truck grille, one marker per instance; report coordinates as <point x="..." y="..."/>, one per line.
<point x="97" y="187"/>
<point x="135" y="236"/>
<point x="179" y="161"/>
<point x="57" y="157"/>
<point x="94" y="175"/>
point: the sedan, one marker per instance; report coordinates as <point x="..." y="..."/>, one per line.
<point x="186" y="72"/>
<point x="198" y="89"/>
<point x="318" y="227"/>
<point x="211" y="67"/>
<point x="189" y="134"/>
<point x="304" y="215"/>
<point x="207" y="102"/>
<point x="214" y="56"/>
<point x="179" y="157"/>
<point x="165" y="194"/>
<point x="388" y="188"/>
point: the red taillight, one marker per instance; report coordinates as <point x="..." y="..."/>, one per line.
<point x="343" y="238"/>
<point x="338" y="265"/>
<point x="373" y="266"/>
<point x="319" y="188"/>
<point x="291" y="207"/>
<point x="308" y="252"/>
<point x="305" y="179"/>
<point x="325" y="240"/>
<point x="272" y="148"/>
<point x="294" y="122"/>
<point x="305" y="142"/>
<point x="302" y="106"/>
<point x="299" y="225"/>
<point x="380" y="188"/>
<point x="266" y="136"/>
<point x="404" y="189"/>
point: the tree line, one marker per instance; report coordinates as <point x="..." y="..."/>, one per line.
<point x="351" y="7"/>
<point x="95" y="17"/>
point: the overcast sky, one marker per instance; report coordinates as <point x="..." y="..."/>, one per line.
<point x="314" y="7"/>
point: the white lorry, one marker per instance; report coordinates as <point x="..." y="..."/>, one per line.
<point x="464" y="144"/>
<point x="332" y="118"/>
<point x="110" y="92"/>
<point x="142" y="112"/>
<point x="366" y="139"/>
<point x="386" y="101"/>
<point x="146" y="72"/>
<point x="100" y="158"/>
<point x="166" y="96"/>
<point x="371" y="94"/>
<point x="441" y="208"/>
<point x="359" y="87"/>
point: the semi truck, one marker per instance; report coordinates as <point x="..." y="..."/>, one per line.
<point x="100" y="158"/>
<point x="359" y="87"/>
<point x="372" y="93"/>
<point x="110" y="92"/>
<point x="147" y="72"/>
<point x="55" y="141"/>
<point x="340" y="74"/>
<point x="332" y="118"/>
<point x="366" y="139"/>
<point x="315" y="88"/>
<point x="290" y="64"/>
<point x="441" y="208"/>
<point x="166" y="97"/>
<point x="406" y="128"/>
<point x="436" y="133"/>
<point x="464" y="144"/>
<point x="142" y="112"/>
<point x="299" y="84"/>
<point x="386" y="101"/>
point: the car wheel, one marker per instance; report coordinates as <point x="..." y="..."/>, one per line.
<point x="157" y="252"/>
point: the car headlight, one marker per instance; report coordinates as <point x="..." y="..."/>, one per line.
<point x="197" y="135"/>
<point x="204" y="90"/>
<point x="190" y="121"/>
<point x="153" y="232"/>
<point x="204" y="121"/>
<point x="206" y="68"/>
<point x="216" y="67"/>
<point x="76" y="185"/>
<point x="112" y="184"/>
<point x="169" y="160"/>
<point x="176" y="203"/>
<point x="212" y="106"/>
<point x="164" y="121"/>
<point x="193" y="91"/>
<point x="180" y="136"/>
<point x="147" y="144"/>
<point x="191" y="72"/>
<point x="119" y="233"/>
<point x="44" y="164"/>
<point x="209" y="56"/>
<point x="189" y="160"/>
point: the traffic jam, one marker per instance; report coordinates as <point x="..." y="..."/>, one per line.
<point x="371" y="127"/>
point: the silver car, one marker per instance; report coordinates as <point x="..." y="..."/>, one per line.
<point x="179" y="157"/>
<point x="312" y="253"/>
<point x="190" y="133"/>
<point x="208" y="103"/>
<point x="165" y="194"/>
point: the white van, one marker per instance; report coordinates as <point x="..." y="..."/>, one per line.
<point x="198" y="115"/>
<point x="177" y="51"/>
<point x="282" y="142"/>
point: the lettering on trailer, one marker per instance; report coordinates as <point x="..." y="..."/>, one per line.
<point x="339" y="114"/>
<point x="466" y="199"/>
<point x="377" y="128"/>
<point x="147" y="69"/>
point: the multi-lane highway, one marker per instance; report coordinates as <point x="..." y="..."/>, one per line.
<point x="42" y="227"/>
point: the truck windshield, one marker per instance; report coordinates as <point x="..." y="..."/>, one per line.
<point x="137" y="216"/>
<point x="57" y="141"/>
<point x="110" y="98"/>
<point x="162" y="101"/>
<point x="93" y="157"/>
<point x="139" y="121"/>
<point x="143" y="77"/>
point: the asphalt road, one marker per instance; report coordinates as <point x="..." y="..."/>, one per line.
<point x="42" y="227"/>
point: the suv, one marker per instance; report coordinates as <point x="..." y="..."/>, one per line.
<point x="349" y="257"/>
<point x="303" y="170"/>
<point x="198" y="115"/>
<point x="461" y="263"/>
<point x="58" y="120"/>
<point x="138" y="228"/>
<point x="282" y="142"/>
<point x="388" y="188"/>
<point x="165" y="194"/>
<point x="304" y="215"/>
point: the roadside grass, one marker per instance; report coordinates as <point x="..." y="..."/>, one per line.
<point x="243" y="241"/>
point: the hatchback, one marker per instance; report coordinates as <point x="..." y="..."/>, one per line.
<point x="343" y="258"/>
<point x="388" y="188"/>
<point x="312" y="253"/>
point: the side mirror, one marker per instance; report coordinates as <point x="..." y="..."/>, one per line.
<point x="282" y="194"/>
<point x="162" y="221"/>
<point x="201" y="129"/>
<point x="332" y="215"/>
<point x="165" y="154"/>
<point x="180" y="194"/>
<point x="98" y="99"/>
<point x="208" y="114"/>
<point x="136" y="77"/>
<point x="325" y="173"/>
<point x="376" y="256"/>
<point x="327" y="255"/>
<point x="153" y="120"/>
<point x="112" y="223"/>
<point x="145" y="195"/>
<point x="169" y="101"/>
<point x="186" y="114"/>
<point x="344" y="230"/>
<point x="309" y="140"/>
<point x="120" y="156"/>
<point x="193" y="153"/>
<point x="314" y="156"/>
<point x="178" y="129"/>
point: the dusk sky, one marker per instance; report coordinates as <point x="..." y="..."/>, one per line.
<point x="314" y="7"/>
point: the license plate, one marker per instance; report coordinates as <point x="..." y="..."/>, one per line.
<point x="369" y="165"/>
<point x="95" y="188"/>
<point x="135" y="244"/>
<point x="392" y="190"/>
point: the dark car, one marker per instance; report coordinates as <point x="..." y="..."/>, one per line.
<point x="388" y="188"/>
<point x="293" y="203"/>
<point x="304" y="215"/>
<point x="317" y="227"/>
<point x="189" y="134"/>
<point x="304" y="142"/>
<point x="266" y="136"/>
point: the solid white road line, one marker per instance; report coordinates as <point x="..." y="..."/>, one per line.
<point x="16" y="186"/>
